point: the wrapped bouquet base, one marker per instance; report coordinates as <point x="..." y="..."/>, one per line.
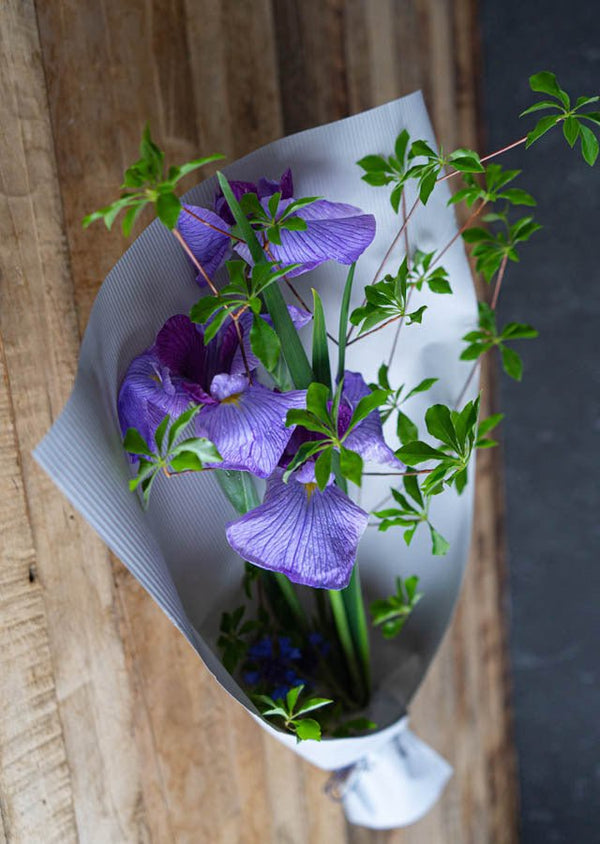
<point x="177" y="548"/>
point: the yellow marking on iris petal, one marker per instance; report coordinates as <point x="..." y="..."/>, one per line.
<point x="234" y="399"/>
<point x="310" y="488"/>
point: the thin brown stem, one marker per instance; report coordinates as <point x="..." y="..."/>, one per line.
<point x="463" y="228"/>
<point x="178" y="236"/>
<point x="501" y="272"/>
<point x="486" y="158"/>
<point x="458" y="401"/>
<point x="373" y="330"/>
<point x="394" y="243"/>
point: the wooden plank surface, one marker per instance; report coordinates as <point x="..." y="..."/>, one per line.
<point x="111" y="730"/>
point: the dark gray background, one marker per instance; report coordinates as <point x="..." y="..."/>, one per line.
<point x="552" y="430"/>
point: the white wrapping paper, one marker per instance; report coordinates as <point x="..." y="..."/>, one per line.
<point x="177" y="549"/>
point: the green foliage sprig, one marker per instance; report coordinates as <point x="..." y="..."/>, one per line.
<point x="410" y="514"/>
<point x="392" y="613"/>
<point x="571" y="116"/>
<point x="457" y="432"/>
<point x="169" y="456"/>
<point x="406" y="429"/>
<point x="321" y="417"/>
<point x="293" y="713"/>
<point x="487" y="337"/>
<point x="146" y="183"/>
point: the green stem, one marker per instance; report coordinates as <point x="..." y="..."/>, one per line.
<point x="292" y="599"/>
<point x="355" y="610"/>
<point x="342" y="626"/>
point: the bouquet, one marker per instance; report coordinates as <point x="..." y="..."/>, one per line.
<point x="277" y="390"/>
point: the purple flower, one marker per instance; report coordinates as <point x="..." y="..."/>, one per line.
<point x="245" y="421"/>
<point x="334" y="231"/>
<point x="308" y="535"/>
<point x="367" y="437"/>
<point x="147" y="394"/>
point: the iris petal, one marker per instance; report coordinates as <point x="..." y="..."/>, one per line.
<point x="334" y="232"/>
<point x="248" y="427"/>
<point x="147" y="394"/>
<point x="208" y="245"/>
<point x="367" y="438"/>
<point x="308" y="535"/>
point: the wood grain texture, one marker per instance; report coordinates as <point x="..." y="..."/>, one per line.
<point x="111" y="729"/>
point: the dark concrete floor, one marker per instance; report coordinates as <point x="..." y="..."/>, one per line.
<point x="552" y="430"/>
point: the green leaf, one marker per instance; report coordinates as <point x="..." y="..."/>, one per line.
<point x="421" y="147"/>
<point x="411" y="485"/>
<point x="518" y="331"/>
<point x="203" y="448"/>
<point x="487" y="425"/>
<point x="401" y="145"/>
<point x="351" y="465"/>
<point x="307" y="729"/>
<point x="292" y="697"/>
<point x="439" y="545"/>
<point x="417" y="452"/>
<point x="437" y="284"/>
<point x="343" y="330"/>
<point x="366" y="406"/>
<point x="134" y="443"/>
<point x="180" y="423"/>
<point x="373" y="164"/>
<point x="190" y="166"/>
<point x="186" y="461"/>
<point x="239" y="488"/>
<point x="512" y="363"/>
<point x="323" y="468"/>
<point x="422" y="387"/>
<point x="439" y="424"/>
<point x="131" y="215"/>
<point x="406" y="429"/>
<point x="426" y="186"/>
<point x="571" y="130"/>
<point x="540" y="106"/>
<point x="168" y="208"/>
<point x="546" y="83"/>
<point x="516" y="196"/>
<point x="265" y="343"/>
<point x="159" y="434"/>
<point x="541" y="127"/>
<point x="312" y="704"/>
<point x="317" y="398"/>
<point x="205" y="308"/>
<point x="589" y="145"/>
<point x="320" y="349"/>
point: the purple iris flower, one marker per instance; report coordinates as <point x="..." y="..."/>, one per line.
<point x="307" y="534"/>
<point x="244" y="419"/>
<point x="334" y="231"/>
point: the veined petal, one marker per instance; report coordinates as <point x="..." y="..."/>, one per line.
<point x="148" y="392"/>
<point x="208" y="245"/>
<point x="308" y="535"/>
<point x="180" y="347"/>
<point x="239" y="189"/>
<point x="335" y="232"/>
<point x="367" y="438"/>
<point x="248" y="427"/>
<point x="285" y="186"/>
